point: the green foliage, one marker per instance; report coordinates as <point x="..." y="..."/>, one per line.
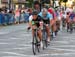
<point x="30" y="3"/>
<point x="45" y="1"/>
<point x="65" y="0"/>
<point x="62" y="1"/>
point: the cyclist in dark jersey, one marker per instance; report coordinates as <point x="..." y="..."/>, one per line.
<point x="35" y="23"/>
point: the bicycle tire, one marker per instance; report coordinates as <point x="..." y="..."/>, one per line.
<point x="44" y="40"/>
<point x="71" y="28"/>
<point x="35" y="47"/>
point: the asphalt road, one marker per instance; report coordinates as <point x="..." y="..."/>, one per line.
<point x="15" y="41"/>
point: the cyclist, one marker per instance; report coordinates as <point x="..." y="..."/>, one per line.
<point x="53" y="27"/>
<point x="71" y="17"/>
<point x="34" y="22"/>
<point x="63" y="18"/>
<point x="70" y="20"/>
<point x="46" y="17"/>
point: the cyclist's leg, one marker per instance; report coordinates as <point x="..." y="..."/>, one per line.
<point x="40" y="34"/>
<point x="33" y="27"/>
<point x="71" y="26"/>
<point x="68" y="23"/>
<point x="54" y="30"/>
<point x="48" y="32"/>
<point x="58" y="25"/>
<point x="53" y="26"/>
<point x="40" y="37"/>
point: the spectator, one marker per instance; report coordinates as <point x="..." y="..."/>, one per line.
<point x="11" y="17"/>
<point x="30" y="11"/>
<point x="17" y="16"/>
<point x="2" y="19"/>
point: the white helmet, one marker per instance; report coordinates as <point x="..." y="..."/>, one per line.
<point x="44" y="11"/>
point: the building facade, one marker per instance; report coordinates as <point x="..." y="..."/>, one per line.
<point x="69" y="3"/>
<point x="13" y="3"/>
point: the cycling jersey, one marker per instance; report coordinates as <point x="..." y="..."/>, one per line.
<point x="30" y="18"/>
<point x="36" y="22"/>
<point x="72" y="15"/>
<point x="48" y="16"/>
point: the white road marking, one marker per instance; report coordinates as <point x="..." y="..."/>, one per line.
<point x="1" y="33"/>
<point x="13" y="38"/>
<point x="64" y="46"/>
<point x="65" y="42"/>
<point x="26" y="35"/>
<point x="39" y="55"/>
<point x="13" y="53"/>
<point x="62" y="49"/>
<point x="53" y="54"/>
<point x="3" y="43"/>
<point x="72" y="40"/>
<point x="22" y="48"/>
<point x="65" y="54"/>
<point x="29" y="45"/>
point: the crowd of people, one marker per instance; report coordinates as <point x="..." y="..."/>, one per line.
<point x="17" y="16"/>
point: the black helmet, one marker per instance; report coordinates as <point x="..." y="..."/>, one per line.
<point x="34" y="13"/>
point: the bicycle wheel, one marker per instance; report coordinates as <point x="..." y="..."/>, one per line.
<point x="35" y="46"/>
<point x="71" y="28"/>
<point x="44" y="44"/>
<point x="68" y="27"/>
<point x="44" y="40"/>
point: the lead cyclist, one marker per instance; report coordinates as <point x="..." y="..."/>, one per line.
<point x="34" y="22"/>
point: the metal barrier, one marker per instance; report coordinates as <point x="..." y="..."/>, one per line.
<point x="8" y="18"/>
<point x="2" y="19"/>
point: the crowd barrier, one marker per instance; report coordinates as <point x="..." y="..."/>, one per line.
<point x="8" y="18"/>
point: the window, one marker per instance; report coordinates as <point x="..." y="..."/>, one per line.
<point x="4" y="1"/>
<point x="22" y="1"/>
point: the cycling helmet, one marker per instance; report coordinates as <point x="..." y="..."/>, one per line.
<point x="44" y="11"/>
<point x="35" y="13"/>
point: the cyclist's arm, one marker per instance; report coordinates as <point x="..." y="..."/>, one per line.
<point x="30" y="21"/>
<point x="50" y="18"/>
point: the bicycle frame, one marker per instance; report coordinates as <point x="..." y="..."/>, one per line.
<point x="44" y="39"/>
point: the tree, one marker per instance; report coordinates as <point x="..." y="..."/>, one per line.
<point x="65" y="1"/>
<point x="60" y="2"/>
<point x="30" y="3"/>
<point x="45" y="1"/>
